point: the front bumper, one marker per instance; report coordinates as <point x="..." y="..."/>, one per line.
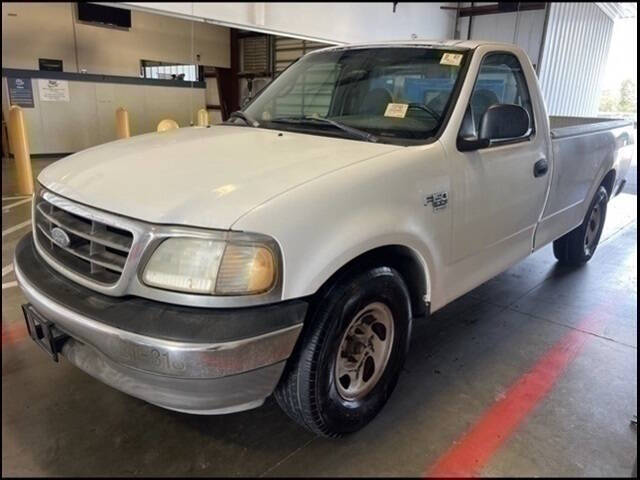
<point x="195" y="360"/>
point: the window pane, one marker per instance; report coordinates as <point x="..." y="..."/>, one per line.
<point x="398" y="93"/>
<point x="500" y="80"/>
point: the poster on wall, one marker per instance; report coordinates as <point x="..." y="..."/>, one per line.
<point x="53" y="90"/>
<point x="20" y="92"/>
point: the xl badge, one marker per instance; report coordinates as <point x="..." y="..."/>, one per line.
<point x="60" y="237"/>
<point x="438" y="200"/>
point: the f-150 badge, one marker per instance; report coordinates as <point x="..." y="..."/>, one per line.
<point x="438" y="200"/>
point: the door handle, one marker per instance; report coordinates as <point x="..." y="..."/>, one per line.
<point x="540" y="168"/>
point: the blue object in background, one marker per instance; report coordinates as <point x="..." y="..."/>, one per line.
<point x="422" y="90"/>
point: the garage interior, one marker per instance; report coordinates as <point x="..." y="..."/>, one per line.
<point x="178" y="58"/>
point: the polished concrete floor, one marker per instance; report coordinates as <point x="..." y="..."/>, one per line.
<point x="566" y="338"/>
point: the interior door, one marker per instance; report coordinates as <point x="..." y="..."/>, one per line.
<point x="496" y="196"/>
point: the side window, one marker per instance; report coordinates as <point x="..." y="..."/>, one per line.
<point x="500" y="80"/>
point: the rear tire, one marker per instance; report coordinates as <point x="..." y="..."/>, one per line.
<point x="578" y="246"/>
<point x="361" y="325"/>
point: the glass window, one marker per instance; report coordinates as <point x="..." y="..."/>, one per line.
<point x="168" y="71"/>
<point x="310" y="94"/>
<point x="500" y="80"/>
<point x="397" y="94"/>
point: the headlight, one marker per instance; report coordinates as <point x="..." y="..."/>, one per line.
<point x="214" y="267"/>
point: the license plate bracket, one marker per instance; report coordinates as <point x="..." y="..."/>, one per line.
<point x="46" y="335"/>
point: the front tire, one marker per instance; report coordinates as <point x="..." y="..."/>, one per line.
<point x="578" y="246"/>
<point x="349" y="358"/>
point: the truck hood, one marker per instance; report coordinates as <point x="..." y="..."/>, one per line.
<point x="206" y="177"/>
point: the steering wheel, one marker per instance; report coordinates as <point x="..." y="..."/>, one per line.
<point x="425" y="108"/>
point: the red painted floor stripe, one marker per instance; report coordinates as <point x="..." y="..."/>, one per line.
<point x="475" y="448"/>
<point x="14" y="333"/>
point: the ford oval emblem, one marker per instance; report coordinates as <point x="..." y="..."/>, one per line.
<point x="60" y="237"/>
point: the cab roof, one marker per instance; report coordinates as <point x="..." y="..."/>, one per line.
<point x="449" y="44"/>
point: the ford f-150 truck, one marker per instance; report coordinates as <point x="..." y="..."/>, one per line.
<point x="288" y="249"/>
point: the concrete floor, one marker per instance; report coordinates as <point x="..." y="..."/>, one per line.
<point x="56" y="420"/>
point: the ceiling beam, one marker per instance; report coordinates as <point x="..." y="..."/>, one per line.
<point x="501" y="7"/>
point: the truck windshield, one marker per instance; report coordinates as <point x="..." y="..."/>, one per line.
<point x="394" y="95"/>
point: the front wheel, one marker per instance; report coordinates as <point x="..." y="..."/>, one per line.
<point x="350" y="355"/>
<point x="578" y="246"/>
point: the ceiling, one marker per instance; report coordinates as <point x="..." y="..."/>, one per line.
<point x="619" y="10"/>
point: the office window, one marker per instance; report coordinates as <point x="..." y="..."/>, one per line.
<point x="169" y="71"/>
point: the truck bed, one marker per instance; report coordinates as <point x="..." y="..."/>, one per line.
<point x="562" y="127"/>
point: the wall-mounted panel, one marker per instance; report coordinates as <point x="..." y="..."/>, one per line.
<point x="522" y="28"/>
<point x="88" y="118"/>
<point x="50" y="30"/>
<point x="574" y="58"/>
<point x="327" y="22"/>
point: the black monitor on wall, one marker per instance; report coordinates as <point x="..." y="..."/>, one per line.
<point x="101" y="14"/>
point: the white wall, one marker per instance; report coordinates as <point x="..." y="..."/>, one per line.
<point x="331" y="22"/>
<point x="38" y="30"/>
<point x="49" y="30"/>
<point x="88" y="118"/>
<point x="574" y="58"/>
<point x="571" y="61"/>
<point x="525" y="29"/>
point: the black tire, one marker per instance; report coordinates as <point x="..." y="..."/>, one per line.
<point x="307" y="391"/>
<point x="571" y="249"/>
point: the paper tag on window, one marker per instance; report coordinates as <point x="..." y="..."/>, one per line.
<point x="451" y="59"/>
<point x="397" y="110"/>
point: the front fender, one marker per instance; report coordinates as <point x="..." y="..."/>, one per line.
<point x="326" y="223"/>
<point x="330" y="252"/>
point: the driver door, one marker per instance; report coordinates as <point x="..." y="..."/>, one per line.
<point x="496" y="198"/>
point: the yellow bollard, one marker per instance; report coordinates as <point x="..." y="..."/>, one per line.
<point x="20" y="147"/>
<point x="167" y="124"/>
<point x="122" y="123"/>
<point x="203" y="118"/>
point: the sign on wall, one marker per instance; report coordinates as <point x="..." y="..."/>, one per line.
<point x="53" y="90"/>
<point x="50" y="64"/>
<point x="20" y="92"/>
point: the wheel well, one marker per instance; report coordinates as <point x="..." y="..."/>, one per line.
<point x="398" y="257"/>
<point x="607" y="182"/>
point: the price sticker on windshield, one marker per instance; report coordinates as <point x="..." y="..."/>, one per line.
<point x="453" y="59"/>
<point x="396" y="110"/>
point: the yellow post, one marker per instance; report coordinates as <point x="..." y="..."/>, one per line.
<point x="20" y="148"/>
<point x="203" y="117"/>
<point x="122" y="123"/>
<point x="167" y="124"/>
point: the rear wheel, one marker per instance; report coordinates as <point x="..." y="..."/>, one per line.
<point x="350" y="355"/>
<point x="578" y="246"/>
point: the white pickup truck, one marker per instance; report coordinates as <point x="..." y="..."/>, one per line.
<point x="288" y="249"/>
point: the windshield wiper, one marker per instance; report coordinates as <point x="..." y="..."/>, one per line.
<point x="355" y="132"/>
<point x="243" y="116"/>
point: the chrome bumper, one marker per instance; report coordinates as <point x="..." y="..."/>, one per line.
<point x="205" y="396"/>
<point x="192" y="376"/>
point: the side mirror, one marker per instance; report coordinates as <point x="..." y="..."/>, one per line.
<point x="471" y="144"/>
<point x="503" y="121"/>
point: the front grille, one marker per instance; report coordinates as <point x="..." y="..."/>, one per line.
<point x="95" y="250"/>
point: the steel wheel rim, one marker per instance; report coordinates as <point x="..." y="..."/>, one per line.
<point x="364" y="351"/>
<point x="593" y="226"/>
